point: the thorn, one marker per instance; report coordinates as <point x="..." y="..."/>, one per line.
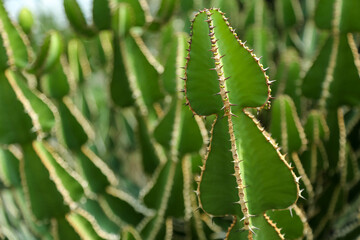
<point x="212" y="27"/>
<point x="212" y="69"/>
<point x="211" y="34"/>
<point x="183" y="78"/>
<point x="291" y="213"/>
<point x="252" y="230"/>
<point x="245" y="42"/>
<point x="301" y="190"/>
<point x="242" y="219"/>
<point x="271" y="81"/>
<point x="227" y="78"/>
<point x="265" y="69"/>
<point x="186" y="104"/>
<point x="217" y="93"/>
<point x="187" y="58"/>
<point x="182" y="67"/>
<point x="182" y="90"/>
<point x="297" y="179"/>
<point x="227" y="91"/>
<point x="222" y="108"/>
<point x="197" y="209"/>
<point x="233" y="115"/>
<point x="222" y="56"/>
<point x="208" y="20"/>
<point x="231" y="104"/>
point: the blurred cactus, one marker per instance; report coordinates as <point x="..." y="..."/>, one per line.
<point x="143" y="124"/>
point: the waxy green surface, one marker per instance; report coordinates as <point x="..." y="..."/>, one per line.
<point x="267" y="181"/>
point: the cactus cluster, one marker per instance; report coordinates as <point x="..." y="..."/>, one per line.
<point x="158" y="121"/>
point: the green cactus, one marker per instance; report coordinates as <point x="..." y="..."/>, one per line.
<point x="215" y="85"/>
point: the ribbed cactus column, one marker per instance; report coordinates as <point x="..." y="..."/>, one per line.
<point x="244" y="173"/>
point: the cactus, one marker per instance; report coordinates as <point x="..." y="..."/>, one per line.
<point x="215" y="86"/>
<point x="143" y="124"/>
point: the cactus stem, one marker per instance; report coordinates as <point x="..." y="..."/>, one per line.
<point x="228" y="114"/>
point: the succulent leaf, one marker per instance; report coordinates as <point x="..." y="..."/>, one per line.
<point x="76" y="18"/>
<point x="68" y="181"/>
<point x="15" y="124"/>
<point x="49" y="54"/>
<point x="56" y="83"/>
<point x="289" y="12"/>
<point x="72" y="131"/>
<point x="9" y="168"/>
<point x="143" y="72"/>
<point x="286" y="126"/>
<point x="26" y="20"/>
<point x="82" y="226"/>
<point x="14" y="42"/>
<point x="35" y="103"/>
<point x="102" y="14"/>
<point x="45" y="200"/>
<point x="119" y="86"/>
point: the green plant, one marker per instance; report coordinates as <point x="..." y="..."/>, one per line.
<point x="103" y="129"/>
